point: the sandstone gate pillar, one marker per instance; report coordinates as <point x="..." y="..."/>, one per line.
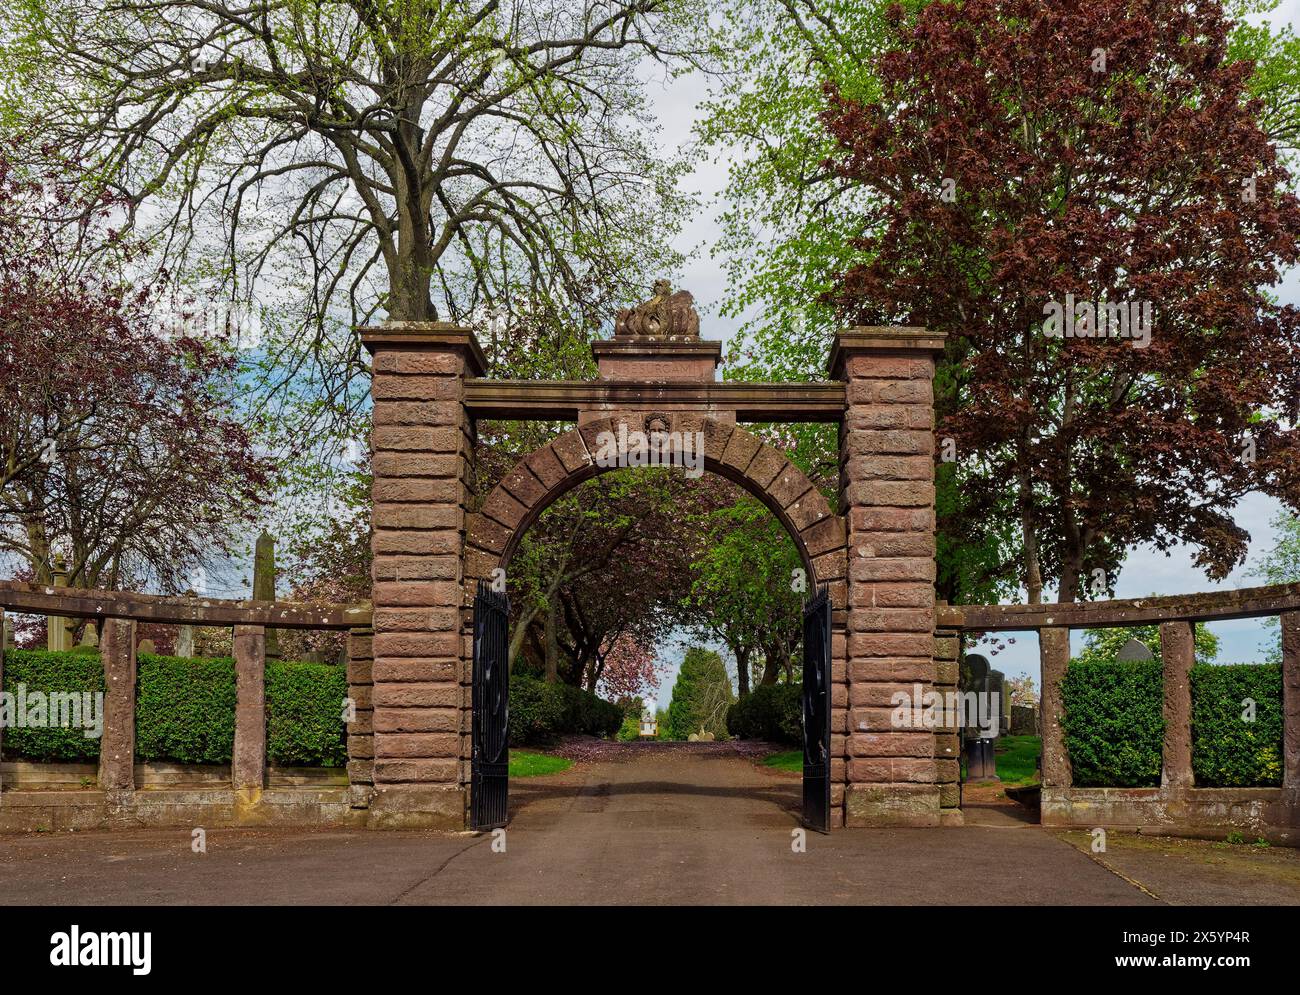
<point x="422" y="458"/>
<point x="117" y="744"/>
<point x="887" y="495"/>
<point x="1054" y="660"/>
<point x="1177" y="654"/>
<point x="1291" y="713"/>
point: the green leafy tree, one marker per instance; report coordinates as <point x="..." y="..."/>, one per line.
<point x="430" y="159"/>
<point x="324" y="165"/>
<point x="792" y="223"/>
<point x="701" y="696"/>
<point x="748" y="586"/>
<point x="1281" y="565"/>
<point x="1102" y="645"/>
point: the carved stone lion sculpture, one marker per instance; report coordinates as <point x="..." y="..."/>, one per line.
<point x="666" y="313"/>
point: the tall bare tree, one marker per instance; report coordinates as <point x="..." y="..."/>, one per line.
<point x="418" y="159"/>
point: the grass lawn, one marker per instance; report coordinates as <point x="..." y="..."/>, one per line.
<point x="1017" y="759"/>
<point x="791" y="760"/>
<point x="523" y="764"/>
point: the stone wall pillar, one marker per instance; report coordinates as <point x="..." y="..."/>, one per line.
<point x="117" y="745"/>
<point x="947" y="736"/>
<point x="248" y="765"/>
<point x="1177" y="651"/>
<point x="1291" y="712"/>
<point x="4" y="648"/>
<point x="887" y="495"/>
<point x="361" y="730"/>
<point x="422" y="461"/>
<point x="839" y="713"/>
<point x="1054" y="658"/>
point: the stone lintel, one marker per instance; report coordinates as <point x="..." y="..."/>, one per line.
<point x="565" y="400"/>
<point x="882" y="341"/>
<point x="418" y="336"/>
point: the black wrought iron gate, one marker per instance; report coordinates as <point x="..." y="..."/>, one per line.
<point x="489" y="766"/>
<point x="817" y="712"/>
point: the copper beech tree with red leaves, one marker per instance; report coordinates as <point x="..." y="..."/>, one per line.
<point x="119" y="446"/>
<point x="1022" y="151"/>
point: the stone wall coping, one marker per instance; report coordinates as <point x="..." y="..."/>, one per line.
<point x="73" y="602"/>
<point x="419" y="336"/>
<point x="635" y="345"/>
<point x="1207" y="606"/>
<point x="883" y="340"/>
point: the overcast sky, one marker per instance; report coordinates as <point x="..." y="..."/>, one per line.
<point x="1146" y="570"/>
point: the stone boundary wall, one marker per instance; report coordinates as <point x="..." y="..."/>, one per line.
<point x="1177" y="806"/>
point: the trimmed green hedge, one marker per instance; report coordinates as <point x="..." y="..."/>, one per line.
<point x="304" y="715"/>
<point x="1114" y="725"/>
<point x="185" y="709"/>
<point x="771" y="711"/>
<point x="539" y="712"/>
<point x="1227" y="751"/>
<point x="51" y="672"/>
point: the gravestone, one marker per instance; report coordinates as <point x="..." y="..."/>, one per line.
<point x="1004" y="704"/>
<point x="185" y="636"/>
<point x="1134" y="650"/>
<point x="264" y="586"/>
<point x="979" y="678"/>
<point x="1024" y="720"/>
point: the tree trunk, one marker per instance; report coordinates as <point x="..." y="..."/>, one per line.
<point x="597" y="671"/>
<point x="742" y="672"/>
<point x="411" y="264"/>
<point x="1033" y="570"/>
<point x="552" y="646"/>
<point x="1071" y="577"/>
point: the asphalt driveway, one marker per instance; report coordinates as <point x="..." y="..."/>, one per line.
<point x="663" y="827"/>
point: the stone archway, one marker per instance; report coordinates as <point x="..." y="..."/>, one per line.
<point x="431" y="543"/>
<point x="729" y="450"/>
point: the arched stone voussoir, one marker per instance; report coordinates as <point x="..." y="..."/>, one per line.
<point x="728" y="450"/>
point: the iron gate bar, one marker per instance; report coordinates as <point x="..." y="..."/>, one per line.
<point x="817" y="711"/>
<point x="490" y="758"/>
